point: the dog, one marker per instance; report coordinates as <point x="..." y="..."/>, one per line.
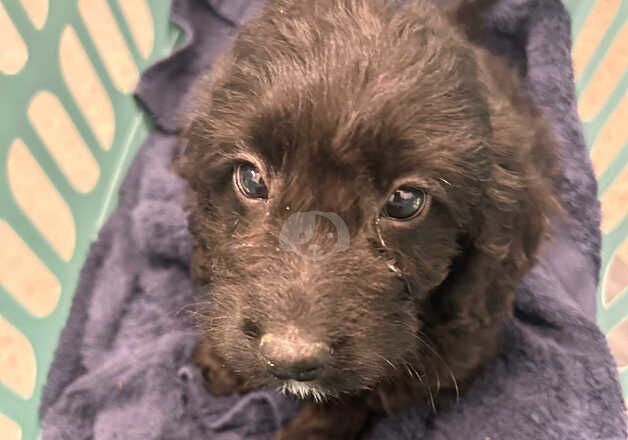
<point x="366" y="189"/>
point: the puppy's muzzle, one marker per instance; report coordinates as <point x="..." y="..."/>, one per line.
<point x="289" y="355"/>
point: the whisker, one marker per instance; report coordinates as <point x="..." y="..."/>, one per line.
<point x="191" y="305"/>
<point x="444" y="181"/>
<point x="451" y="373"/>
<point x="387" y="361"/>
<point x="416" y="374"/>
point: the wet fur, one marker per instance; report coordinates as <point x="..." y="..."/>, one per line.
<point x="338" y="102"/>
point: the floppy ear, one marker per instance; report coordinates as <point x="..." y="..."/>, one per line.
<point x="467" y="15"/>
<point x="196" y="122"/>
<point x="506" y="230"/>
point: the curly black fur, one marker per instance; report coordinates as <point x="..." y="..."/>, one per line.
<point x="339" y="102"/>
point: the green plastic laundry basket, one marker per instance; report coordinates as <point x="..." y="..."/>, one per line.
<point x="600" y="51"/>
<point x="70" y="128"/>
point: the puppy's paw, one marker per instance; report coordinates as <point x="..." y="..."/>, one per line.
<point x="303" y="435"/>
<point x="220" y="380"/>
<point x="326" y="422"/>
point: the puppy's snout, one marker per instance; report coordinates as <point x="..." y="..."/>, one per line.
<point x="288" y="355"/>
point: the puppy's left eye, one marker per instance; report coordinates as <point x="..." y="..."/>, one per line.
<point x="405" y="203"/>
<point x="249" y="181"/>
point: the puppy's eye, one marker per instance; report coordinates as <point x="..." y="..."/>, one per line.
<point x="405" y="203"/>
<point x="248" y="179"/>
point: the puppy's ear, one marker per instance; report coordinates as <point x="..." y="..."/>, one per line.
<point x="519" y="195"/>
<point x="507" y="228"/>
<point x="195" y="118"/>
<point x="467" y="15"/>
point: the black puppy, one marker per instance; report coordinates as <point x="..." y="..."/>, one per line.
<point x="366" y="189"/>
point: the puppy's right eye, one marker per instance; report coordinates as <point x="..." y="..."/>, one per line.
<point x="249" y="181"/>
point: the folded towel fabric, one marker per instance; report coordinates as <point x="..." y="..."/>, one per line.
<point x="122" y="371"/>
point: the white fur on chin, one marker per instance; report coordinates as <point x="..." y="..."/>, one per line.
<point x="303" y="390"/>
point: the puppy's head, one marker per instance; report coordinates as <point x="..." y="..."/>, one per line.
<point x="364" y="196"/>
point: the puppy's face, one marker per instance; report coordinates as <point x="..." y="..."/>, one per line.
<point x="339" y="161"/>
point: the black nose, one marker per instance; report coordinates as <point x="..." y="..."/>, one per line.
<point x="290" y="356"/>
<point x="302" y="372"/>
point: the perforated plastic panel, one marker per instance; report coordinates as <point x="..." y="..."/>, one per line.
<point x="600" y="54"/>
<point x="69" y="128"/>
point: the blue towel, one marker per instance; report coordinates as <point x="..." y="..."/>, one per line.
<point x="122" y="371"/>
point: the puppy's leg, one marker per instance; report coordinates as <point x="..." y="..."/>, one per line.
<point x="345" y="420"/>
<point x="220" y="380"/>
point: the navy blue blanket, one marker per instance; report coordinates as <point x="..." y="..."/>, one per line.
<point x="121" y="370"/>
